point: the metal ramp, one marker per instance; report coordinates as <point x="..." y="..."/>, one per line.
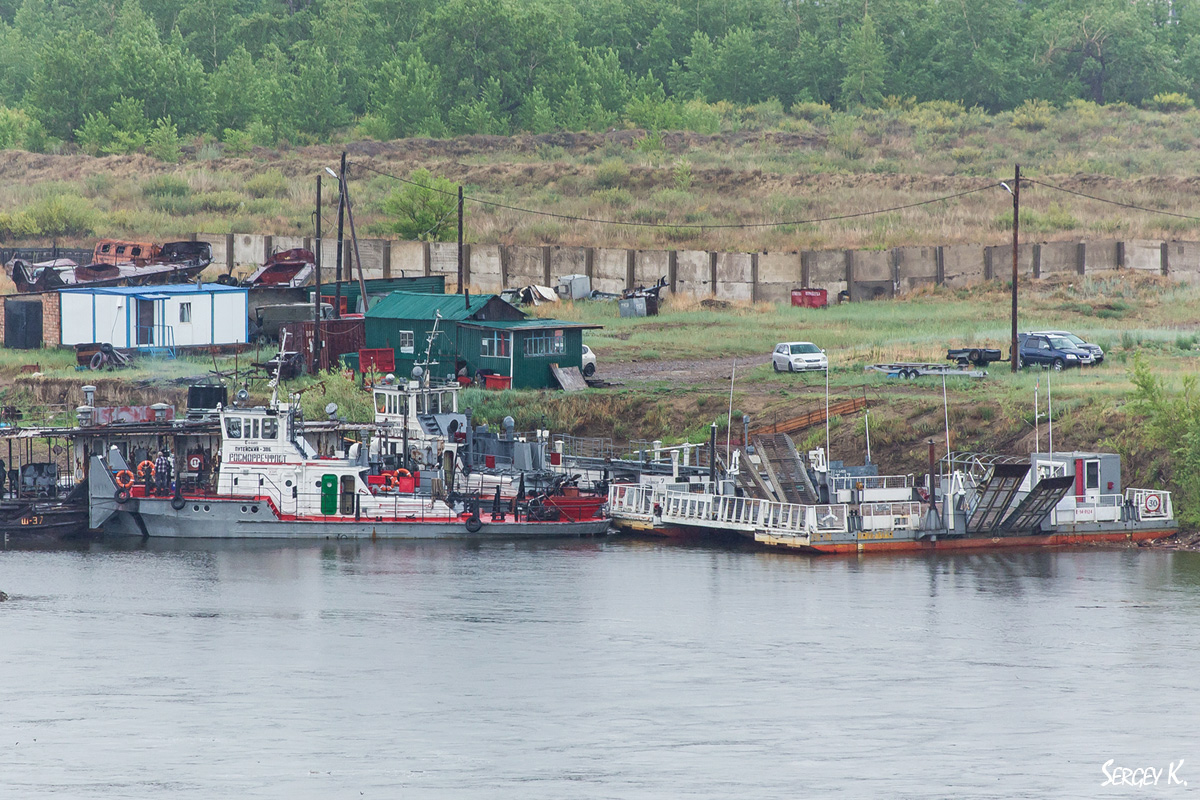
<point x="750" y="481"/>
<point x="1037" y="505"/>
<point x="995" y="496"/>
<point x="785" y="469"/>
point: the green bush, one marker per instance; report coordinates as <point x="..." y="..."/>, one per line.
<point x="612" y="173"/>
<point x="18" y="225"/>
<point x="165" y="186"/>
<point x="1033" y="115"/>
<point x="267" y="184"/>
<point x="96" y="135"/>
<point x="681" y="174"/>
<point x="1169" y="102"/>
<point x="63" y="215"/>
<point x="813" y="112"/>
<point x="616" y="197"/>
<point x="163" y="142"/>
<point x="236" y="142"/>
<point x="218" y="201"/>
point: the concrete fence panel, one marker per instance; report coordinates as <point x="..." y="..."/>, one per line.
<point x="443" y="260"/>
<point x="1183" y="261"/>
<point x="1101" y="256"/>
<point x="217" y="242"/>
<point x="408" y="259"/>
<point x="567" y="261"/>
<point x="778" y="274"/>
<point x="282" y="243"/>
<point x="651" y="265"/>
<point x="524" y="266"/>
<point x="998" y="265"/>
<point x="485" y="267"/>
<point x="1058" y="258"/>
<point x="693" y="273"/>
<point x="1142" y="254"/>
<point x="735" y="276"/>
<point x="611" y="269"/>
<point x="915" y="267"/>
<point x="870" y="275"/>
<point x="827" y="270"/>
<point x="371" y="251"/>
<point x="249" y="249"/>
<point x="962" y="264"/>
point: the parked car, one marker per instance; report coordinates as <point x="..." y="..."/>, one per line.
<point x="1048" y="350"/>
<point x="588" y="365"/>
<point x="798" y="357"/>
<point x="1096" y="350"/>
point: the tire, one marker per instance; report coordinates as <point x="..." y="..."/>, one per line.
<point x="97" y="360"/>
<point x="790" y="367"/>
<point x="177" y="503"/>
<point x="975" y="357"/>
<point x="1059" y="364"/>
<point x="775" y="365"/>
<point x="1020" y="362"/>
<point x="474" y="524"/>
<point x="122" y="495"/>
<point x="589" y="370"/>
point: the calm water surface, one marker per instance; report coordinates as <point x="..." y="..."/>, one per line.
<point x="611" y="669"/>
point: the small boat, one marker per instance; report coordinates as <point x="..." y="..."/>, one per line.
<point x="287" y="269"/>
<point x="117" y="263"/>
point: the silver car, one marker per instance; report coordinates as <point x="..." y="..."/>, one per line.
<point x="798" y="357"/>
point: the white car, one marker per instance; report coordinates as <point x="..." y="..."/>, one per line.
<point x="588" y="364"/>
<point x="798" y="357"/>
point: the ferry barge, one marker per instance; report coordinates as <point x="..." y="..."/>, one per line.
<point x="975" y="501"/>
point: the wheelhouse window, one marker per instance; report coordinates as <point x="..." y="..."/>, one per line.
<point x="233" y="428"/>
<point x="545" y="343"/>
<point x="270" y="428"/>
<point x="406" y="341"/>
<point x="496" y="345"/>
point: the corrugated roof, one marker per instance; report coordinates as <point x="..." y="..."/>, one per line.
<point x="529" y="324"/>
<point x="413" y="305"/>
<point x="141" y="291"/>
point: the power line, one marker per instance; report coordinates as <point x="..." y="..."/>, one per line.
<point x="1110" y="202"/>
<point x="778" y="224"/>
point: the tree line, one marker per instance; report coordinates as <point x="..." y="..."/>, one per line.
<point x="122" y="76"/>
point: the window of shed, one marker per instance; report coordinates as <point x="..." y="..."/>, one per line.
<point x="406" y="341"/>
<point x="185" y="312"/>
<point x="545" y="343"/>
<point x="495" y="345"/>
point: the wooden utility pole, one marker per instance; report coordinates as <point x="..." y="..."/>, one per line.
<point x="1016" y="194"/>
<point x="337" y="292"/>
<point x="316" y="354"/>
<point x="461" y="287"/>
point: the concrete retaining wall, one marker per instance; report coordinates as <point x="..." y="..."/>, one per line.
<point x="769" y="277"/>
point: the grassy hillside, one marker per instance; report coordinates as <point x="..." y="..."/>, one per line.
<point x="772" y="166"/>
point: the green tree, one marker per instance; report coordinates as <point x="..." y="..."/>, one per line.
<point x="424" y="210"/>
<point x="863" y="62"/>
<point x="410" y="94"/>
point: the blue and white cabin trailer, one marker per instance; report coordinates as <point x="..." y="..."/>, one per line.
<point x="183" y="315"/>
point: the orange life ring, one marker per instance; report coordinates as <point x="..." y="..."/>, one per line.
<point x="146" y="467"/>
<point x="391" y="483"/>
<point x="402" y="473"/>
<point x="124" y="479"/>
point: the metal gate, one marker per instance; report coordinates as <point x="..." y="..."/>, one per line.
<point x="22" y="324"/>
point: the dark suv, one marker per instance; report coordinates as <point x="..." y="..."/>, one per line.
<point x="1049" y="350"/>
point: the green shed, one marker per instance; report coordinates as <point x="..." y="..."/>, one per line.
<point x="475" y="333"/>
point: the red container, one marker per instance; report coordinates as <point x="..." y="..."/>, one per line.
<point x="489" y="462"/>
<point x="498" y="381"/>
<point x="381" y="359"/>
<point x="810" y="298"/>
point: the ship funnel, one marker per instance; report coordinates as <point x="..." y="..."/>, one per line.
<point x="89" y="395"/>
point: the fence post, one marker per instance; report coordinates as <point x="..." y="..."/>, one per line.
<point x="754" y="277"/>
<point x="712" y="272"/>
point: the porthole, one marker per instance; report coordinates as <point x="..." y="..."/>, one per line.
<point x="253" y="509"/>
<point x="206" y="508"/>
<point x="243" y="509"/>
<point x="287" y="483"/>
<point x="195" y="508"/>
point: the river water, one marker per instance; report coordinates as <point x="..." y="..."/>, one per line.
<point x="596" y="669"/>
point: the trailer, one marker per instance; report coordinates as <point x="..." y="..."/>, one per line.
<point x="979" y="356"/>
<point x="911" y="370"/>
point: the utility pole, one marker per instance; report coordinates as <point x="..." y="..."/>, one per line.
<point x="461" y="288"/>
<point x="362" y="283"/>
<point x="1016" y="194"/>
<point x="316" y="354"/>
<point x="337" y="293"/>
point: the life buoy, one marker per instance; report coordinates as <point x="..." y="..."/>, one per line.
<point x="402" y="473"/>
<point x="474" y="524"/>
<point x="1152" y="503"/>
<point x="146" y="468"/>
<point x="178" y="502"/>
<point x="124" y="479"/>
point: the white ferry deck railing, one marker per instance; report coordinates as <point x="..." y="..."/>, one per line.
<point x="890" y="516"/>
<point x="1150" y="504"/>
<point x="631" y="501"/>
<point x="843" y="482"/>
<point x="1103" y="508"/>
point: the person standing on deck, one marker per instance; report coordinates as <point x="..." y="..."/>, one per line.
<point x="162" y="472"/>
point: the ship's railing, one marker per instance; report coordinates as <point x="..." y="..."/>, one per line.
<point x="890" y="516"/>
<point x="1150" y="504"/>
<point x="691" y="455"/>
<point x="1103" y="508"/>
<point x="582" y="446"/>
<point x="872" y="482"/>
<point x="631" y="501"/>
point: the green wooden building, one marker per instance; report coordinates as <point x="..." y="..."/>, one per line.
<point x="475" y="334"/>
